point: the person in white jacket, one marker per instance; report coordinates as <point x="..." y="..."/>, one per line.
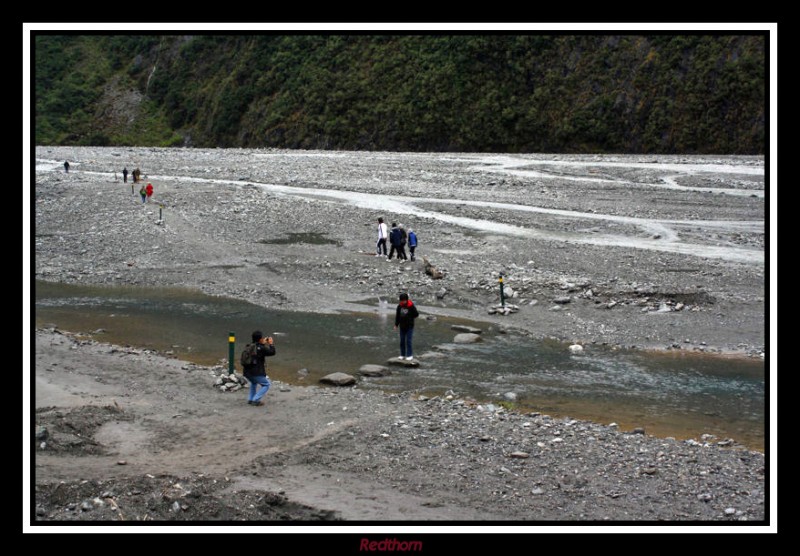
<point x="383" y="234"/>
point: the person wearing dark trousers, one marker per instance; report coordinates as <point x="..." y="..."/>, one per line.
<point x="397" y="237"/>
<point x="412" y="242"/>
<point x="66" y="167"/>
<point x="383" y="234"/>
<point x="404" y="320"/>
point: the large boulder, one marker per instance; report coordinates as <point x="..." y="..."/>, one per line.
<point x="464" y="328"/>
<point x="403" y="362"/>
<point x="373" y="370"/>
<point x="338" y="379"/>
<point x="467" y="338"/>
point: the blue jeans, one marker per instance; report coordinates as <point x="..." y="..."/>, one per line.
<point x="255" y="393"/>
<point x="405" y="342"/>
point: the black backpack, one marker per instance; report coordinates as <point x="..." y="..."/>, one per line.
<point x="249" y="357"/>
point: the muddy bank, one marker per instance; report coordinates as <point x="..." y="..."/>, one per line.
<point x="120" y="437"/>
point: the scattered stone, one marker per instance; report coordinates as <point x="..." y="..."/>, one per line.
<point x="464" y="328"/>
<point x="225" y="382"/>
<point x="638" y="430"/>
<point x="510" y="396"/>
<point x="373" y="370"/>
<point x="519" y="455"/>
<point x="396" y="362"/>
<point x="562" y="300"/>
<point x="467" y="338"/>
<point x="338" y="379"/>
<point x="441" y="293"/>
<point x="576" y="348"/>
<point x="431" y="270"/>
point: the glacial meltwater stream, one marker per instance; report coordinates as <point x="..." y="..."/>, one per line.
<point x="683" y="395"/>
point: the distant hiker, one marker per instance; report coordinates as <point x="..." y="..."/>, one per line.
<point x="401" y="252"/>
<point x="383" y="234"/>
<point x="143" y="193"/>
<point x="256" y="371"/>
<point x="66" y="167"/>
<point x="397" y="239"/>
<point x="404" y="320"/>
<point x="124" y="175"/>
<point x="136" y="174"/>
<point x="412" y="242"/>
<point x="149" y="191"/>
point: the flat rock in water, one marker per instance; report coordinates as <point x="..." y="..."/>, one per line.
<point x="402" y="362"/>
<point x="463" y="328"/>
<point x="338" y="379"/>
<point x="374" y="370"/>
<point x="466" y="338"/>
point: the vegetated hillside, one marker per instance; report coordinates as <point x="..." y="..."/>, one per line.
<point x="510" y="93"/>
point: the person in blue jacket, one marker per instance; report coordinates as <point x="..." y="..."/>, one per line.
<point x="412" y="242"/>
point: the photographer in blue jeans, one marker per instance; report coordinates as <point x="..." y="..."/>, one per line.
<point x="256" y="372"/>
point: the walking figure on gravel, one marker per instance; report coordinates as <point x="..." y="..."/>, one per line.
<point x="254" y="367"/>
<point x="383" y="233"/>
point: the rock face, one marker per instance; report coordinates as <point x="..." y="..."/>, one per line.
<point x="338" y="379"/>
<point x="467" y="338"/>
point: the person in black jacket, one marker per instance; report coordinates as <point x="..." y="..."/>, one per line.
<point x="397" y="237"/>
<point x="257" y="373"/>
<point x="404" y="320"/>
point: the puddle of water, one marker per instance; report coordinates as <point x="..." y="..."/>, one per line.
<point x="672" y="394"/>
<point x="311" y="238"/>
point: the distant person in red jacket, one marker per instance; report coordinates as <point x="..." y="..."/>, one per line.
<point x="149" y="190"/>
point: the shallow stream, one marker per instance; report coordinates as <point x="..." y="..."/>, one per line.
<point x="683" y="395"/>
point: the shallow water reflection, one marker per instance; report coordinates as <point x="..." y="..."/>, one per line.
<point x="670" y="394"/>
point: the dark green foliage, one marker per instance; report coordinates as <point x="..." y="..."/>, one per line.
<point x="512" y="93"/>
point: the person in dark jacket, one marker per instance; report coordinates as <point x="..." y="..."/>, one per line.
<point x="404" y="320"/>
<point x="257" y="373"/>
<point x="397" y="237"/>
<point x="394" y="241"/>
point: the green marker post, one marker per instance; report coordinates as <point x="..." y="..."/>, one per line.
<point x="231" y="350"/>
